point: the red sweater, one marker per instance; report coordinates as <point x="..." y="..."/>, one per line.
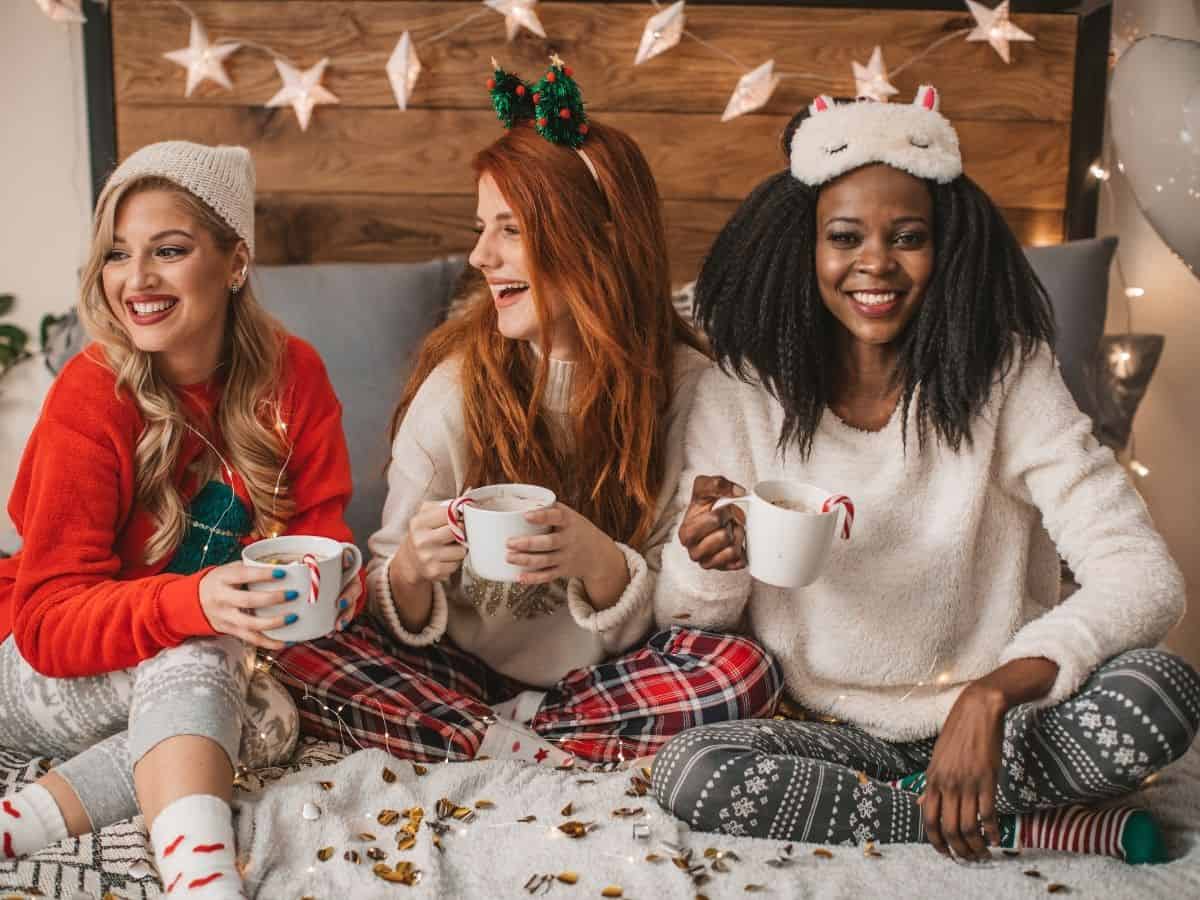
<point x="79" y="597"/>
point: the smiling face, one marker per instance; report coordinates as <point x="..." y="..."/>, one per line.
<point x="874" y="255"/>
<point x="499" y="254"/>
<point x="167" y="282"/>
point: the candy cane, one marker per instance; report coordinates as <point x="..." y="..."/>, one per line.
<point x="454" y="515"/>
<point x="314" y="576"/>
<point x="841" y="500"/>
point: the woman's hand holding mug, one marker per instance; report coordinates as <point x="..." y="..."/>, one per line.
<point x="714" y="538"/>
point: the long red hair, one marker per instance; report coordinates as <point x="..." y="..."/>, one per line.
<point x="599" y="244"/>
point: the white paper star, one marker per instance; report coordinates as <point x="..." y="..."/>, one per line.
<point x="204" y="61"/>
<point x="66" y="11"/>
<point x="993" y="26"/>
<point x="871" y="80"/>
<point x="302" y="90"/>
<point x="517" y="14"/>
<point x="662" y="32"/>
<point x="402" y="70"/>
<point x="753" y="91"/>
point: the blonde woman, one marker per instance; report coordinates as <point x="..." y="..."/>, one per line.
<point x="191" y="426"/>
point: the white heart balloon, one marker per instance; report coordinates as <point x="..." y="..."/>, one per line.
<point x="1154" y="110"/>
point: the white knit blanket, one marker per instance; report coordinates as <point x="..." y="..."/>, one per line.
<point x="495" y="855"/>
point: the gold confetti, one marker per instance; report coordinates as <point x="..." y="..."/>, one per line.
<point x="352" y="856"/>
<point x="869" y="850"/>
<point x="567" y="810"/>
<point x="681" y="862"/>
<point x="653" y="858"/>
<point x="567" y="877"/>
<point x="1012" y="852"/>
<point x="823" y="853"/>
<point x="404" y="873"/>
<point x="376" y="854"/>
<point x="324" y="854"/>
<point x="683" y="616"/>
<point x="646" y="772"/>
<point x="700" y="878"/>
<point x="862" y="777"/>
<point x="364" y="836"/>
<point x="388" y="817"/>
<point x="388" y="775"/>
<point x="325" y="785"/>
<point x="525" y="820"/>
<point x="576" y="829"/>
<point x="626" y="812"/>
<point x="754" y="888"/>
<point x="463" y="813"/>
<point x="1057" y="888"/>
<point x="711" y="853"/>
<point x="445" y="807"/>
<point x="702" y="897"/>
<point x="1033" y="873"/>
<point x="406" y="843"/>
<point x="484" y="804"/>
<point x="45" y="765"/>
<point x="612" y="891"/>
<point x="419" y="769"/>
<point x="437" y="842"/>
<point x="719" y="865"/>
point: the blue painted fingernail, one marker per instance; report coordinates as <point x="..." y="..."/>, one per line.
<point x="279" y="573"/>
<point x="343" y="603"/>
<point x="291" y="619"/>
<point x="290" y="595"/>
<point x="289" y="643"/>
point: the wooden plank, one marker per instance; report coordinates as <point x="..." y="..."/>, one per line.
<point x="1020" y="164"/>
<point x="370" y="228"/>
<point x="599" y="40"/>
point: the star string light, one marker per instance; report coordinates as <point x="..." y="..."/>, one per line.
<point x="518" y="14"/>
<point x="662" y="32"/>
<point x="753" y="91"/>
<point x="403" y="69"/>
<point x="302" y="91"/>
<point x="203" y="60"/>
<point x="993" y="26"/>
<point x="871" y="80"/>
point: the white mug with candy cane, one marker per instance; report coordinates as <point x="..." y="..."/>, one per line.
<point x="789" y="530"/>
<point x="319" y="569"/>
<point x="486" y="518"/>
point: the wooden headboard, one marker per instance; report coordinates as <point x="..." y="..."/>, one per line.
<point x="368" y="182"/>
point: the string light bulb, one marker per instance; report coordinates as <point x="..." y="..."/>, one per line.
<point x="1099" y="172"/>
<point x="1138" y="469"/>
<point x="1134" y="292"/>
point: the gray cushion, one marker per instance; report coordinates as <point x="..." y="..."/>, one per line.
<point x="366" y="320"/>
<point x="1076" y="278"/>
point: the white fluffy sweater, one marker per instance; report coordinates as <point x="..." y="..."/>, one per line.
<point x="952" y="567"/>
<point x="535" y="635"/>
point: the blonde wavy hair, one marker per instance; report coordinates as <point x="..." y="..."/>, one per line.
<point x="254" y="446"/>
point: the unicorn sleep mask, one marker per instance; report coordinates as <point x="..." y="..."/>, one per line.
<point x="913" y="137"/>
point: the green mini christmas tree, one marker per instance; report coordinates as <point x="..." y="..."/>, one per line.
<point x="510" y="96"/>
<point x="558" y="106"/>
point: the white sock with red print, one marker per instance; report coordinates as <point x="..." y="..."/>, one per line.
<point x="193" y="845"/>
<point x="30" y="820"/>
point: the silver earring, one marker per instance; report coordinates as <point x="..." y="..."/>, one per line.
<point x="235" y="287"/>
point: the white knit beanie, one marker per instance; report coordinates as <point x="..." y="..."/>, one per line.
<point x="223" y="177"/>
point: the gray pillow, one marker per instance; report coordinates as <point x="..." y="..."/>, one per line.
<point x="1076" y="278"/>
<point x="366" y="320"/>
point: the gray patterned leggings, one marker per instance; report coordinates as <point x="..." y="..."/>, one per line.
<point x="103" y="725"/>
<point x="799" y="781"/>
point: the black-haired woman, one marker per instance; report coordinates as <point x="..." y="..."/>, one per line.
<point x="882" y="335"/>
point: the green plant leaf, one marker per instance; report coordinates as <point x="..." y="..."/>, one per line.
<point x="48" y="321"/>
<point x="6" y="303"/>
<point x="14" y="338"/>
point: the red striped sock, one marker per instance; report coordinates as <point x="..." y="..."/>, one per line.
<point x="1122" y="831"/>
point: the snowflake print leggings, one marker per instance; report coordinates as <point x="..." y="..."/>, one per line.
<point x="102" y="725"/>
<point x="800" y="781"/>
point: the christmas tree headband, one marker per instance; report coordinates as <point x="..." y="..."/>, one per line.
<point x="913" y="137"/>
<point x="554" y="105"/>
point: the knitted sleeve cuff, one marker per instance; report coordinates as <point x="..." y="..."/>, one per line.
<point x="625" y="622"/>
<point x="384" y="607"/>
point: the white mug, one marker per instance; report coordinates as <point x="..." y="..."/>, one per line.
<point x="787" y="548"/>
<point x="317" y="576"/>
<point x="486" y="518"/>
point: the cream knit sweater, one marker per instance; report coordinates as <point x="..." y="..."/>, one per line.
<point x="535" y="635"/>
<point x="952" y="567"/>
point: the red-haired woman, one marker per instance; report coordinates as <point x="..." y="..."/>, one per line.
<point x="568" y="368"/>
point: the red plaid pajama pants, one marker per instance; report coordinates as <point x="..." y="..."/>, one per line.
<point x="362" y="688"/>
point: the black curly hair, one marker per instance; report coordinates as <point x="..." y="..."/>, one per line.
<point x="757" y="299"/>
